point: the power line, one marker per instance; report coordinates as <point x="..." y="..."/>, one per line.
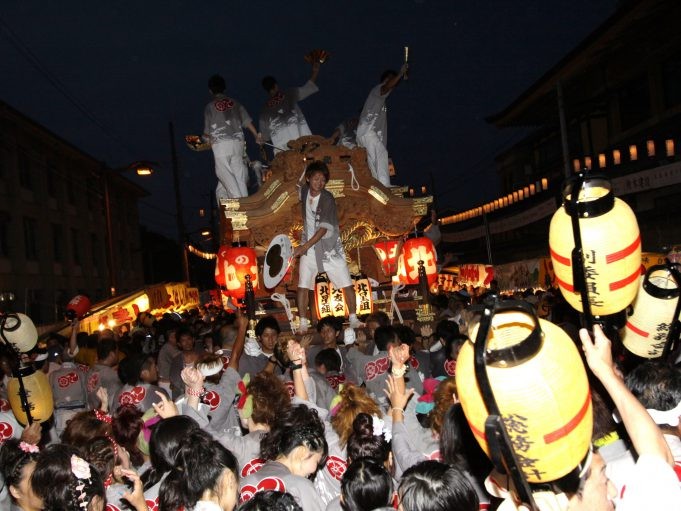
<point x="58" y="85"/>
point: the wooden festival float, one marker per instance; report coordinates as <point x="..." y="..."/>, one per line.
<point x="368" y="212"/>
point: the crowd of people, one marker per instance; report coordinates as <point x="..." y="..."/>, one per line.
<point x="282" y="120"/>
<point x="185" y="412"/>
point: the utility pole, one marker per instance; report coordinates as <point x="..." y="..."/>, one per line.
<point x="178" y="206"/>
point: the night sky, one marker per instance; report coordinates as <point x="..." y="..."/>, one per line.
<point x="134" y="66"/>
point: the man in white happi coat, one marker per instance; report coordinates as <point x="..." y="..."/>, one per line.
<point x="281" y="119"/>
<point x="372" y="131"/>
<point x="224" y="121"/>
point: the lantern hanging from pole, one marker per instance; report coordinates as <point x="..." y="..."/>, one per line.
<point x="595" y="247"/>
<point x="329" y="301"/>
<point x="528" y="372"/>
<point x="413" y="251"/>
<point x="38" y="395"/>
<point x="363" y="294"/>
<point x="655" y="307"/>
<point x="78" y="307"/>
<point x="386" y="251"/>
<point x="18" y="331"/>
<point x="233" y="264"/>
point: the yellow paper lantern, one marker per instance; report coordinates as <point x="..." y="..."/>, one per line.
<point x="611" y="247"/>
<point x="540" y="387"/>
<point x="329" y="301"/>
<point x="20" y="332"/>
<point x="363" y="299"/>
<point x="38" y="393"/>
<point x="645" y="333"/>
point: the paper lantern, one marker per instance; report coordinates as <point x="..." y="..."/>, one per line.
<point x="386" y="251"/>
<point x="78" y="307"/>
<point x="413" y="251"/>
<point x="329" y="301"/>
<point x="363" y="298"/>
<point x="19" y="331"/>
<point x="233" y="264"/>
<point x="645" y="333"/>
<point x="540" y="387"/>
<point x="38" y="393"/>
<point x="611" y="247"/>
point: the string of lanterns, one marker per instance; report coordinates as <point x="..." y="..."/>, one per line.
<point x="516" y="196"/>
<point x="200" y="253"/>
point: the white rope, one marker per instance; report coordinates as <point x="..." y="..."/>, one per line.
<point x="281" y="298"/>
<point x="353" y="180"/>
<point x="394" y="309"/>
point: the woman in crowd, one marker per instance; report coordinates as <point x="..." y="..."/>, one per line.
<point x="295" y="448"/>
<point x="204" y="477"/>
<point x="17" y="464"/>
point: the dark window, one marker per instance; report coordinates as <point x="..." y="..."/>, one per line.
<point x="52" y="179"/>
<point x="4" y="233"/>
<point x="70" y="192"/>
<point x="75" y="246"/>
<point x="89" y="193"/>
<point x="96" y="250"/>
<point x="671" y="81"/>
<point x="634" y="102"/>
<point x="24" y="166"/>
<point x="31" y="238"/>
<point x="58" y="242"/>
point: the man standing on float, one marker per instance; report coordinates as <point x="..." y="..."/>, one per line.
<point x="224" y="121"/>
<point x="372" y="131"/>
<point x="281" y="119"/>
<point x="321" y="249"/>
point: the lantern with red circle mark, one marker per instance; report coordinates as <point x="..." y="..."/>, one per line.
<point x="78" y="307"/>
<point x="413" y="251"/>
<point x="233" y="264"/>
<point x="386" y="251"/>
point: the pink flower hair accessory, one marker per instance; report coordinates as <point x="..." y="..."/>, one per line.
<point x="29" y="448"/>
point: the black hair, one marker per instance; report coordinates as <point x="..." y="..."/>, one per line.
<point x="267" y="322"/>
<point x="270" y="500"/>
<point x="452" y="338"/>
<point x="299" y="425"/>
<point x="216" y="84"/>
<point x="268" y="83"/>
<point x="405" y="334"/>
<point x="332" y="321"/>
<point x="362" y="443"/>
<point x="330" y="358"/>
<point x="366" y="485"/>
<point x="451" y="441"/>
<point x="165" y="441"/>
<point x="656" y="385"/>
<point x="379" y="317"/>
<point x="387" y="73"/>
<point x="13" y="459"/>
<point x="434" y="486"/>
<point x="54" y="481"/>
<point x="317" y="166"/>
<point x="199" y="464"/>
<point x="383" y="336"/>
<point x="184" y="330"/>
<point x="105" y="347"/>
<point x="131" y="367"/>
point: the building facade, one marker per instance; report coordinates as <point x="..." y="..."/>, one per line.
<point x="54" y="241"/>
<point x="619" y="93"/>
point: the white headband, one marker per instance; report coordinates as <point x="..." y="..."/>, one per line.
<point x="660" y="417"/>
<point x="670" y="417"/>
